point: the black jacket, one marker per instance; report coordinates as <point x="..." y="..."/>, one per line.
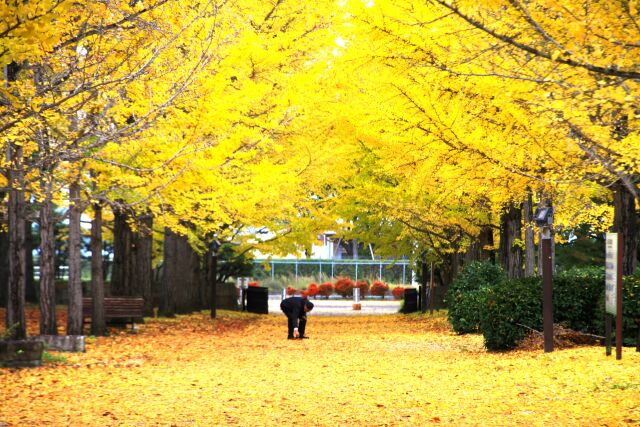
<point x="293" y="307"/>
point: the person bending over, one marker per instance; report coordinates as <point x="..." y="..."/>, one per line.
<point x="296" y="309"/>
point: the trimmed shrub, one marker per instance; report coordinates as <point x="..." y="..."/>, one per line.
<point x="576" y="296"/>
<point x="631" y="309"/>
<point x="379" y="288"/>
<point x="398" y="292"/>
<point x="312" y="289"/>
<point x="363" y="285"/>
<point x="466" y="295"/>
<point x="508" y="309"/>
<point x="344" y="287"/>
<point x="325" y="289"/>
<point x="578" y="302"/>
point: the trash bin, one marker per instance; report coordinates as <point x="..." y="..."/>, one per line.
<point x="257" y="299"/>
<point x="410" y="301"/>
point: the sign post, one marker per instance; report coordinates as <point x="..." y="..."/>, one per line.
<point x="613" y="291"/>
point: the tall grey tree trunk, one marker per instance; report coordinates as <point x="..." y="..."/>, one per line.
<point x="510" y="233"/>
<point x="98" y="320"/>
<point x="15" y="315"/>
<point x="144" y="258"/>
<point x="31" y="294"/>
<point x="477" y="250"/>
<point x="167" y="301"/>
<point x="122" y="270"/>
<point x="625" y="222"/>
<point x="132" y="272"/>
<point x="189" y="281"/>
<point x="4" y="257"/>
<point x="212" y="276"/>
<point x="74" y="317"/>
<point x="529" y="238"/>
<point x="183" y="277"/>
<point x="48" y="322"/>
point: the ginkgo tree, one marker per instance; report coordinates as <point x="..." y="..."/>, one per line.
<point x="473" y="110"/>
<point x="184" y="118"/>
<point x="110" y="75"/>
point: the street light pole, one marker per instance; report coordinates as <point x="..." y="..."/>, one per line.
<point x="544" y="219"/>
<point x="547" y="291"/>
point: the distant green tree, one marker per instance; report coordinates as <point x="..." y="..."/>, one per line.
<point x="233" y="263"/>
<point x="584" y="248"/>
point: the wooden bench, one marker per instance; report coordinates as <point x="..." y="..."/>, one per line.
<point x="128" y="308"/>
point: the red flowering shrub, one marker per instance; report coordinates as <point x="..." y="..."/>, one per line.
<point x="398" y="292"/>
<point x="363" y="285"/>
<point x="254" y="284"/>
<point x="325" y="289"/>
<point x="344" y="287"/>
<point x="312" y="289"/>
<point x="291" y="290"/>
<point x="379" y="288"/>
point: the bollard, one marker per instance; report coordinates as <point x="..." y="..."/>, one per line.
<point x="356" y="299"/>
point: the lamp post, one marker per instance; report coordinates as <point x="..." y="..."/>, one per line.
<point x="213" y="270"/>
<point x="423" y="289"/>
<point x="544" y="220"/>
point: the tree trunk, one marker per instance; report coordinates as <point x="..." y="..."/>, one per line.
<point x="123" y="258"/>
<point x="424" y="281"/>
<point x="510" y="234"/>
<point x="15" y="315"/>
<point x="477" y="250"/>
<point x="143" y="240"/>
<point x="132" y="258"/>
<point x="74" y="317"/>
<point x="189" y="280"/>
<point x="625" y="223"/>
<point x="31" y="295"/>
<point x="4" y="259"/>
<point x="183" y="276"/>
<point x="529" y="239"/>
<point x="48" y="322"/>
<point x="213" y="279"/>
<point x="487" y="241"/>
<point x="98" y="320"/>
<point x="167" y="302"/>
<point x="473" y="252"/>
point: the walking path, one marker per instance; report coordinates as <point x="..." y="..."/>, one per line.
<point x="344" y="307"/>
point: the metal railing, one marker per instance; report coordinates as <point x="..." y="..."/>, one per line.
<point x="399" y="271"/>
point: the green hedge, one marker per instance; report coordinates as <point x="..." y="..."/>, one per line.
<point x="510" y="307"/>
<point x="576" y="299"/>
<point x="631" y="309"/>
<point x="467" y="292"/>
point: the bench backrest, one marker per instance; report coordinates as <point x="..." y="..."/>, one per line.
<point x="116" y="307"/>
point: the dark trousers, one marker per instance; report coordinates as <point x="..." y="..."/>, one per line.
<point x="291" y="321"/>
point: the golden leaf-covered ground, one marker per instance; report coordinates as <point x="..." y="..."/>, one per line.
<point x="361" y="370"/>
